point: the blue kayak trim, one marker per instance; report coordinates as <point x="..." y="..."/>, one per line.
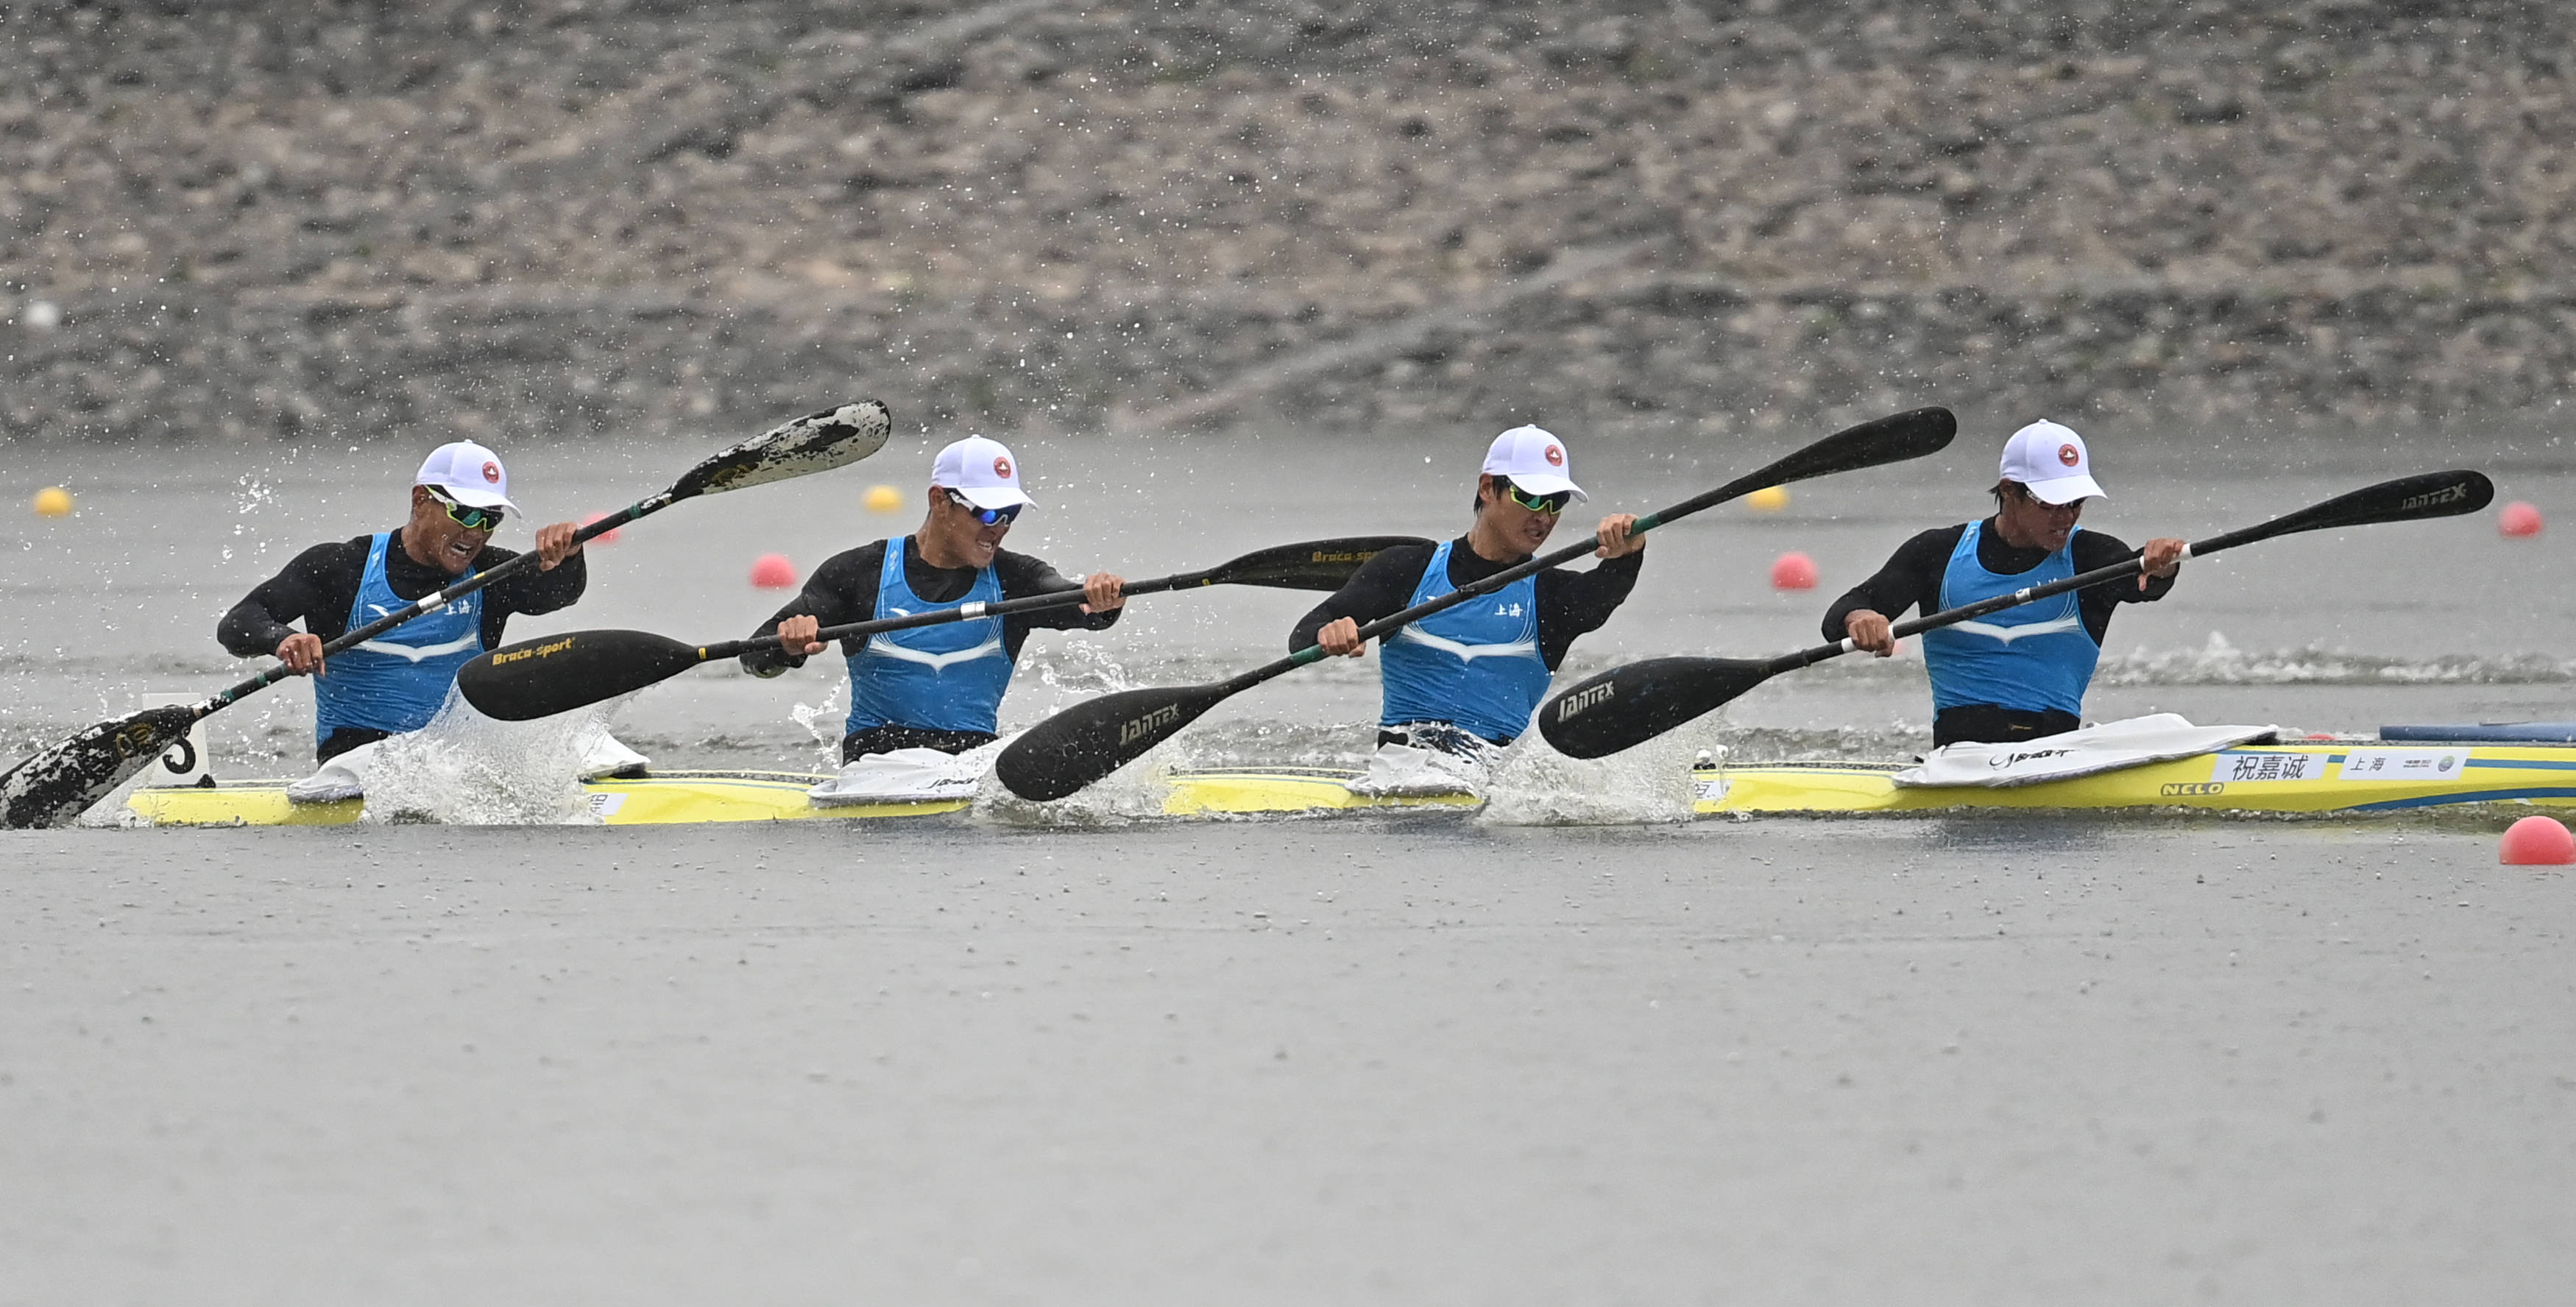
<point x="2486" y="733"/>
<point x="2468" y="796"/>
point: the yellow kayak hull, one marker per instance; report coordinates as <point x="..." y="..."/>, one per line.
<point x="684" y="798"/>
<point x="662" y="799"/>
<point x="1246" y="790"/>
<point x="2287" y="778"/>
<point x="2294" y="778"/>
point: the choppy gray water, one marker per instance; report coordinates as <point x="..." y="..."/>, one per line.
<point x="1413" y="1059"/>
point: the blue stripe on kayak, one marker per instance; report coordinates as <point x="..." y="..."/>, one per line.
<point x="2532" y="766"/>
<point x="2468" y="796"/>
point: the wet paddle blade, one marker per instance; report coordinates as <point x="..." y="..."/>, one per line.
<point x="817" y="442"/>
<point x="1312" y="565"/>
<point x="55" y="787"/>
<point x="1875" y="443"/>
<point x="1087" y="741"/>
<point x="1629" y="705"/>
<point x="2406" y="499"/>
<point x="558" y="673"/>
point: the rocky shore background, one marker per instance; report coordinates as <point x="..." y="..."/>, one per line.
<point x="290" y="221"/>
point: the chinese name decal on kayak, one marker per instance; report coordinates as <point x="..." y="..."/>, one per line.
<point x="2403" y="764"/>
<point x="2229" y="768"/>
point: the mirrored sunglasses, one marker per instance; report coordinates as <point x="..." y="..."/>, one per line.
<point x="466" y="515"/>
<point x="987" y="516"/>
<point x="1548" y="504"/>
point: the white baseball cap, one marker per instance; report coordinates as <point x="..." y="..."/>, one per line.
<point x="2051" y="460"/>
<point x="982" y="470"/>
<point x="470" y="474"/>
<point x="1534" y="459"/>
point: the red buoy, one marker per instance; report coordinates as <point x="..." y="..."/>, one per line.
<point x="607" y="537"/>
<point x="2518" y="519"/>
<point x="773" y="572"/>
<point x="2538" y="842"/>
<point x="1793" y="572"/>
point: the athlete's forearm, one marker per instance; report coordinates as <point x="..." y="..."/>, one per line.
<point x="317" y="588"/>
<point x="1027" y="576"/>
<point x="1383" y="585"/>
<point x="536" y="592"/>
<point x="250" y="631"/>
<point x="1582" y="601"/>
<point x="1911" y="576"/>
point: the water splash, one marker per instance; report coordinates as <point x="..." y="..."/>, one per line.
<point x="1533" y="785"/>
<point x="1080" y="669"/>
<point x="824" y="721"/>
<point x="464" y="768"/>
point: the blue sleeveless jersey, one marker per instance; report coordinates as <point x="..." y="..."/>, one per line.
<point x="396" y="681"/>
<point x="1476" y="666"/>
<point x="948" y="677"/>
<point x="2035" y="658"/>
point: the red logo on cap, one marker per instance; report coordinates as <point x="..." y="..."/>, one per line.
<point x="2066" y="454"/>
<point x="1002" y="468"/>
<point x="492" y="473"/>
<point x="1555" y="456"/>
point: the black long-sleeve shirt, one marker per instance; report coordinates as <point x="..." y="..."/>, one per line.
<point x="1912" y="577"/>
<point x="1569" y="603"/>
<point x="320" y="586"/>
<point x="844" y="590"/>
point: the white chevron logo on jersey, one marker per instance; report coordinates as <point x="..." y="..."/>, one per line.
<point x="422" y="653"/>
<point x="937" y="662"/>
<point x="2008" y="634"/>
<point x="1468" y="653"/>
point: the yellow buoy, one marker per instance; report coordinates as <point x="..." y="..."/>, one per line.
<point x="883" y="499"/>
<point x="53" y="501"/>
<point x="1769" y="499"/>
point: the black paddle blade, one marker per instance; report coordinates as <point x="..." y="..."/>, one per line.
<point x="1313" y="565"/>
<point x="2406" y="499"/>
<point x="1627" y="706"/>
<point x="817" y="442"/>
<point x="1891" y="439"/>
<point x="1087" y="741"/>
<point x="57" y="786"/>
<point x="558" y="673"/>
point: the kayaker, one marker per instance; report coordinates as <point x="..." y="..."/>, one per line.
<point x="1469" y="677"/>
<point x="2020" y="673"/>
<point x="396" y="681"/>
<point x="935" y="687"/>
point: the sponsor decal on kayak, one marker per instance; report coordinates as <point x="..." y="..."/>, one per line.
<point x="2241" y="767"/>
<point x="2026" y="755"/>
<point x="2403" y="764"/>
<point x="2191" y="789"/>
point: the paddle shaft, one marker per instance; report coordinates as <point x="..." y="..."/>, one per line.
<point x="964" y="613"/>
<point x="428" y="604"/>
